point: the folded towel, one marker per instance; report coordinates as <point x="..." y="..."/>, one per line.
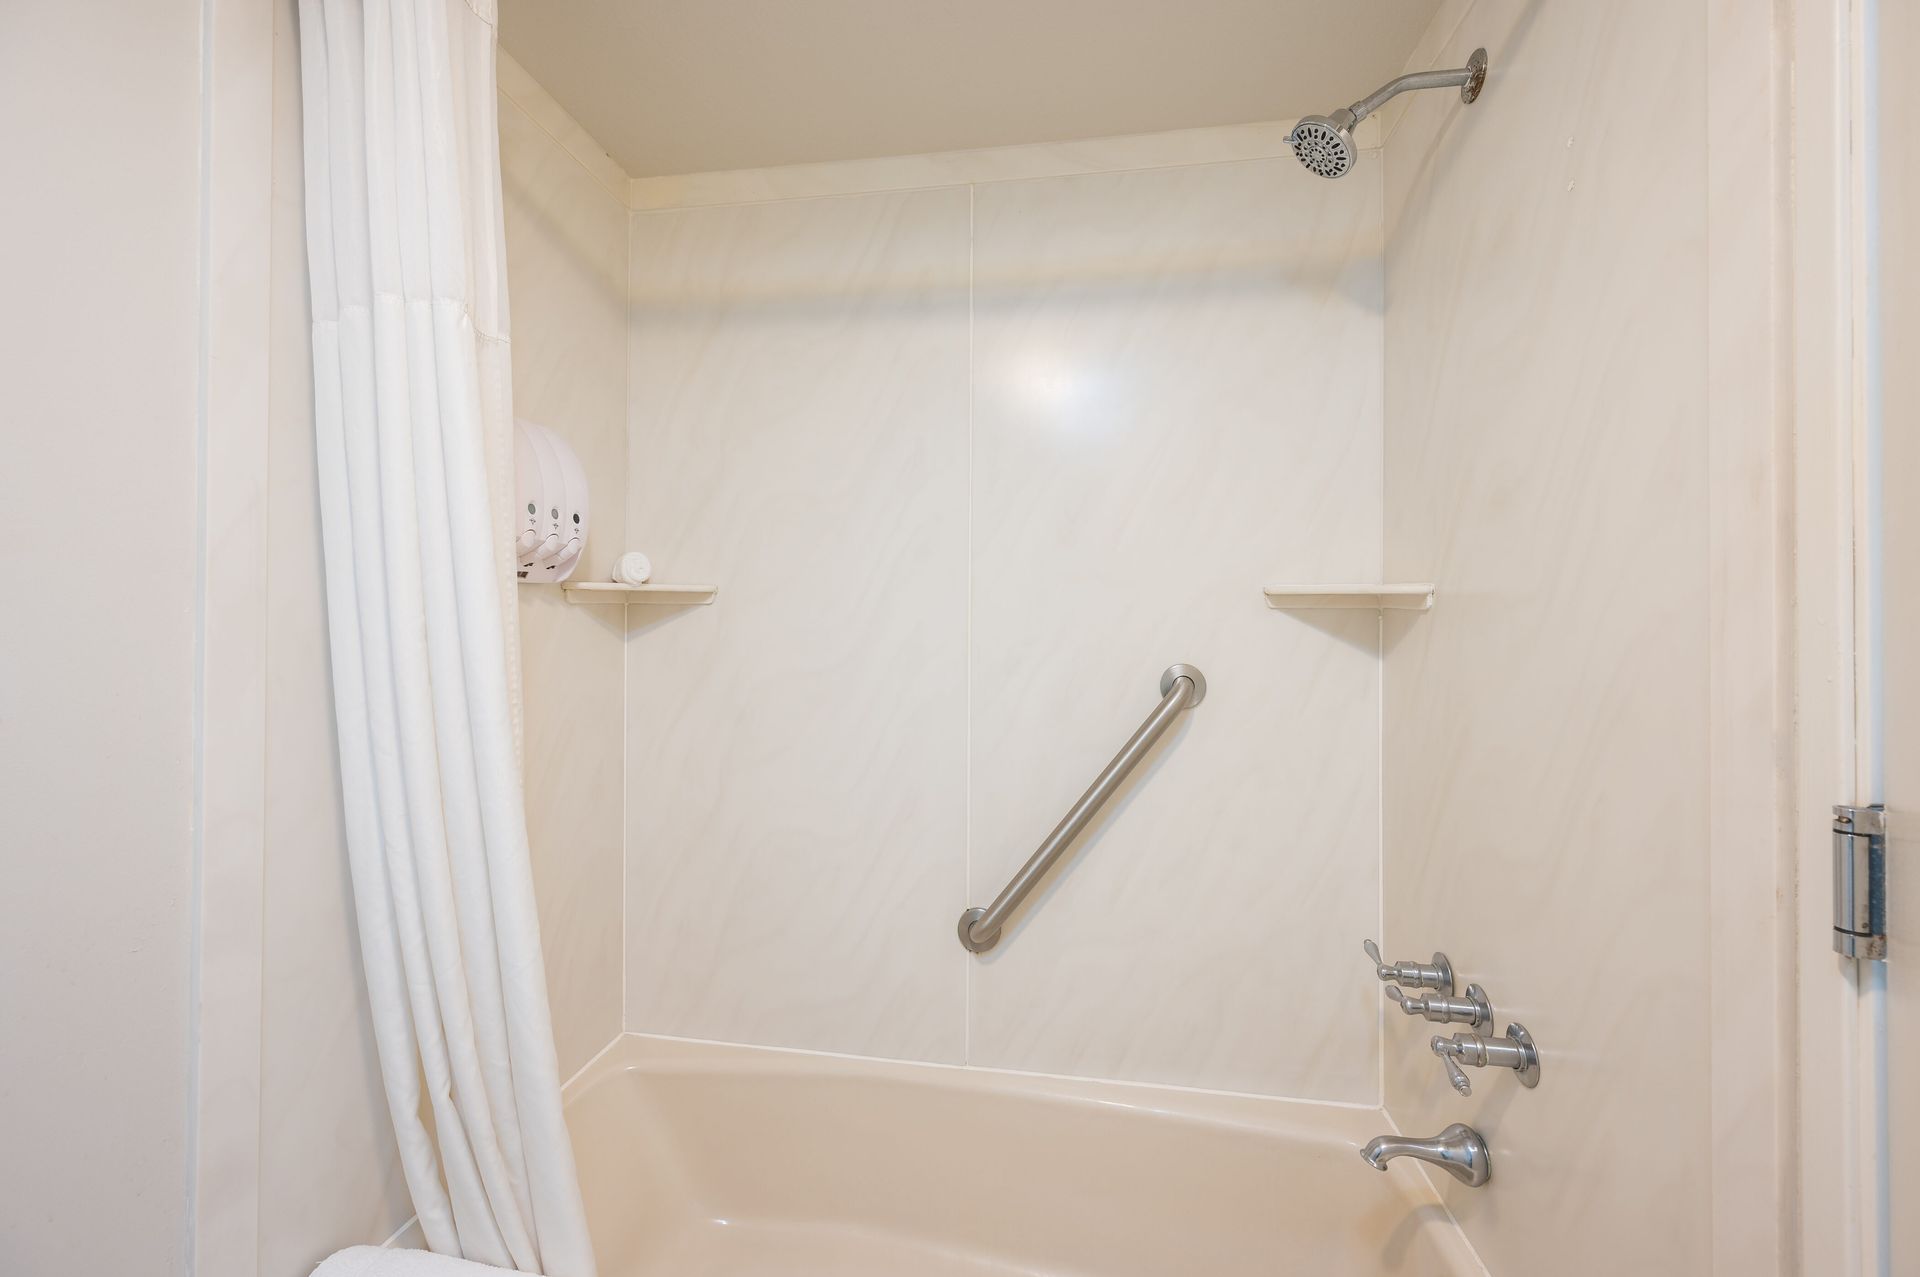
<point x="632" y="569"/>
<point x="379" y="1261"/>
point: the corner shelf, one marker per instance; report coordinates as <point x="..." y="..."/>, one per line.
<point x="1406" y="598"/>
<point x="649" y="594"/>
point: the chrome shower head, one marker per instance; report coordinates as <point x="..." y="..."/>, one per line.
<point x="1324" y="143"/>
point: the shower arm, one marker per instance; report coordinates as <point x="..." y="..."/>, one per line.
<point x="1324" y="143"/>
<point x="1460" y="77"/>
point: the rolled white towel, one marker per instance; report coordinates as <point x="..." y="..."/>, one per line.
<point x="379" y="1261"/>
<point x="632" y="568"/>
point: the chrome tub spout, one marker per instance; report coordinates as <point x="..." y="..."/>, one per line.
<point x="1459" y="1149"/>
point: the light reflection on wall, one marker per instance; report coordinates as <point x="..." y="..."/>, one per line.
<point x="1058" y="390"/>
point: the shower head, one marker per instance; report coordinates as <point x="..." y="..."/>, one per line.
<point x="1324" y="143"/>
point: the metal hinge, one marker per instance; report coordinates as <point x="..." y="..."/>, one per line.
<point x="1860" y="882"/>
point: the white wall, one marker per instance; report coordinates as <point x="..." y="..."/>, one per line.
<point x="796" y="752"/>
<point x="1176" y="398"/>
<point x="1552" y="760"/>
<point x="971" y="466"/>
<point x="100" y="126"/>
<point x="567" y="274"/>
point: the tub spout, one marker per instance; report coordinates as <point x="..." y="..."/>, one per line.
<point x="1458" y="1149"/>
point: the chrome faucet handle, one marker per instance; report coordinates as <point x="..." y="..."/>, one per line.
<point x="1437" y="974"/>
<point x="1455" y="1074"/>
<point x="1516" y="1051"/>
<point x="1473" y="1010"/>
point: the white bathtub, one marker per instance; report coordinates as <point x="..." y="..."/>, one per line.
<point x="701" y="1160"/>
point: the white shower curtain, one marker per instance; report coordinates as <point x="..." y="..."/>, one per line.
<point x="413" y="409"/>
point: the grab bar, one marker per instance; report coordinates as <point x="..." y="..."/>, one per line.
<point x="1181" y="687"/>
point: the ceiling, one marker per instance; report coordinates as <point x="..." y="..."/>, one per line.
<point x="692" y="86"/>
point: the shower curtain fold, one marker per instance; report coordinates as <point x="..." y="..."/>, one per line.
<point x="412" y="410"/>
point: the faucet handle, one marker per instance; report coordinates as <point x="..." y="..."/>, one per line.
<point x="1515" y="1051"/>
<point x="1473" y="1010"/>
<point x="1437" y="974"/>
<point x="1446" y="1050"/>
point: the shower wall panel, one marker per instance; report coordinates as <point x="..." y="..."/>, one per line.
<point x="972" y="466"/>
<point x="1176" y="399"/>
<point x="1547" y="766"/>
<point x="567" y="271"/>
<point x="796" y="753"/>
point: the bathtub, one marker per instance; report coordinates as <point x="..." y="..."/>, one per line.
<point x="705" y="1160"/>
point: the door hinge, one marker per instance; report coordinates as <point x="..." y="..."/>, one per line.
<point x="1860" y="882"/>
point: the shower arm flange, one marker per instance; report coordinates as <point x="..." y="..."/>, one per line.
<point x="1468" y="79"/>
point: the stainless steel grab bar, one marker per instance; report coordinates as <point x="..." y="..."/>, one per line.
<point x="1181" y="687"/>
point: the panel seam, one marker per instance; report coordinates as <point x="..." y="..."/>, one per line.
<point x="966" y="1050"/>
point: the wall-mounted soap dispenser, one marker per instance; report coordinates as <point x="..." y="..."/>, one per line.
<point x="552" y="512"/>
